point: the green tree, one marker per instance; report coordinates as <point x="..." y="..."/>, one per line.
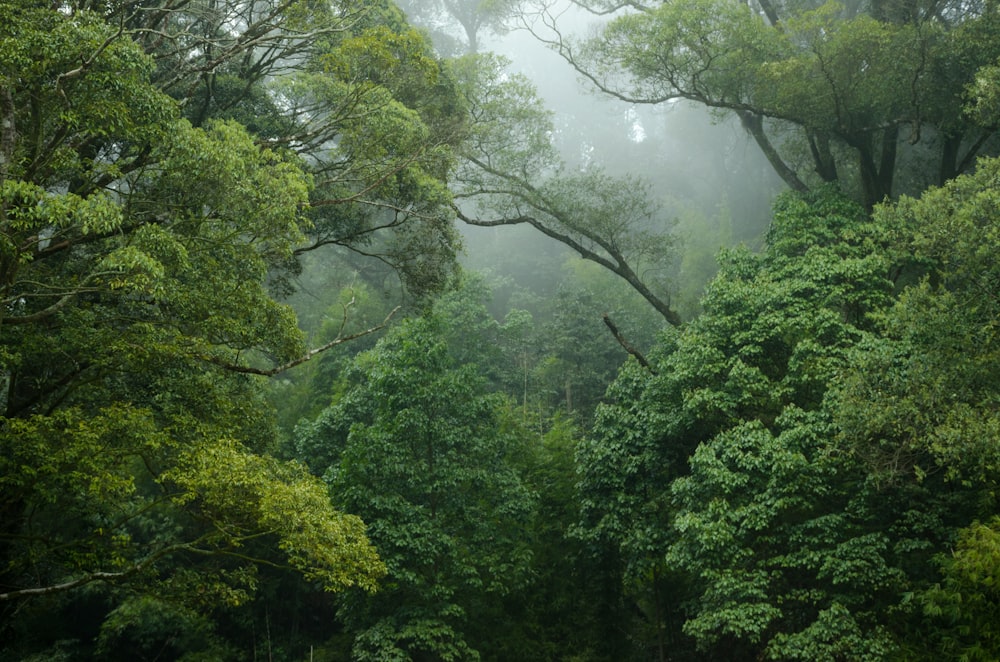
<point x="510" y="173"/>
<point x="472" y="16"/>
<point x="419" y="448"/>
<point x="810" y="448"/>
<point x="918" y="407"/>
<point x="867" y="95"/>
<point x="775" y="331"/>
<point x="135" y="251"/>
<point x="377" y="116"/>
<point x="580" y="354"/>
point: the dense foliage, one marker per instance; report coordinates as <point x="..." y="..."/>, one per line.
<point x="866" y="94"/>
<point x="251" y="406"/>
<point x="812" y="446"/>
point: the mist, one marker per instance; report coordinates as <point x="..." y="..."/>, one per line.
<point x="713" y="185"/>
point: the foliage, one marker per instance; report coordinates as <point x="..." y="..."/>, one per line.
<point x="417" y="447"/>
<point x="919" y="406"/>
<point x="136" y="250"/>
<point x="808" y="449"/>
<point x="713" y="474"/>
<point x="847" y="81"/>
<point x="967" y="600"/>
<point x="806" y="470"/>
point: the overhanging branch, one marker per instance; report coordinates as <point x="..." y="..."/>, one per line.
<point x="618" y="266"/>
<point x="271" y="372"/>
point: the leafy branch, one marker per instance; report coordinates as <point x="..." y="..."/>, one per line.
<point x="311" y="354"/>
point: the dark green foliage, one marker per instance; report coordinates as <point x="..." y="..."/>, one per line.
<point x="807" y="470"/>
<point x="418" y="447"/>
<point x="718" y="472"/>
<point x="811" y="446"/>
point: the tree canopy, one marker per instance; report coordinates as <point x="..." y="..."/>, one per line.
<point x="142" y="229"/>
<point x="251" y="404"/>
<point x="872" y="96"/>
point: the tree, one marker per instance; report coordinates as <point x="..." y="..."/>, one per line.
<point x="810" y="449"/>
<point x="867" y="95"/>
<point x="136" y="252"/>
<point x="674" y="480"/>
<point x="580" y="355"/>
<point x="918" y="408"/>
<point x="377" y="117"/>
<point x="420" y="449"/>
<point x="510" y="172"/>
<point x="472" y="16"/>
<point x="348" y="86"/>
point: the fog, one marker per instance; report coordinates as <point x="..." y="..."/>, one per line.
<point x="714" y="185"/>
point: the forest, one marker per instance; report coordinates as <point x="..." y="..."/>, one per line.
<point x="510" y="330"/>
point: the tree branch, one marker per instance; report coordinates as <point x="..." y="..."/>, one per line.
<point x="754" y="124"/>
<point x="619" y="266"/>
<point x="271" y="372"/>
<point x="625" y="344"/>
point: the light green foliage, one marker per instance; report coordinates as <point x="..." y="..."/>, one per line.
<point x="918" y="407"/>
<point x="985" y="97"/>
<point x="927" y="385"/>
<point x="252" y="495"/>
<point x="135" y="250"/>
<point x="710" y="49"/>
<point x="850" y="74"/>
<point x="968" y="600"/>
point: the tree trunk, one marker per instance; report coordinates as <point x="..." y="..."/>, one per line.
<point x="949" y="158"/>
<point x="877" y="178"/>
<point x="819" y="146"/>
<point x="755" y="125"/>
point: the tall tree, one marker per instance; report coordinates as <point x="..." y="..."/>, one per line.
<point x="774" y="332"/>
<point x="810" y="448"/>
<point x="471" y="16"/>
<point x="919" y="409"/>
<point x="419" y="448"/>
<point x="866" y="94"/>
<point x="140" y="228"/>
<point x="510" y="173"/>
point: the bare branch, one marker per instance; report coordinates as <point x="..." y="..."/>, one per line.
<point x="66" y="586"/>
<point x="625" y="344"/>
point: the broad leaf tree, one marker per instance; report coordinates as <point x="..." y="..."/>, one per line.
<point x="867" y="95"/>
<point x="141" y="225"/>
<point x="422" y="451"/>
<point x="656" y="472"/>
<point x="510" y="173"/>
